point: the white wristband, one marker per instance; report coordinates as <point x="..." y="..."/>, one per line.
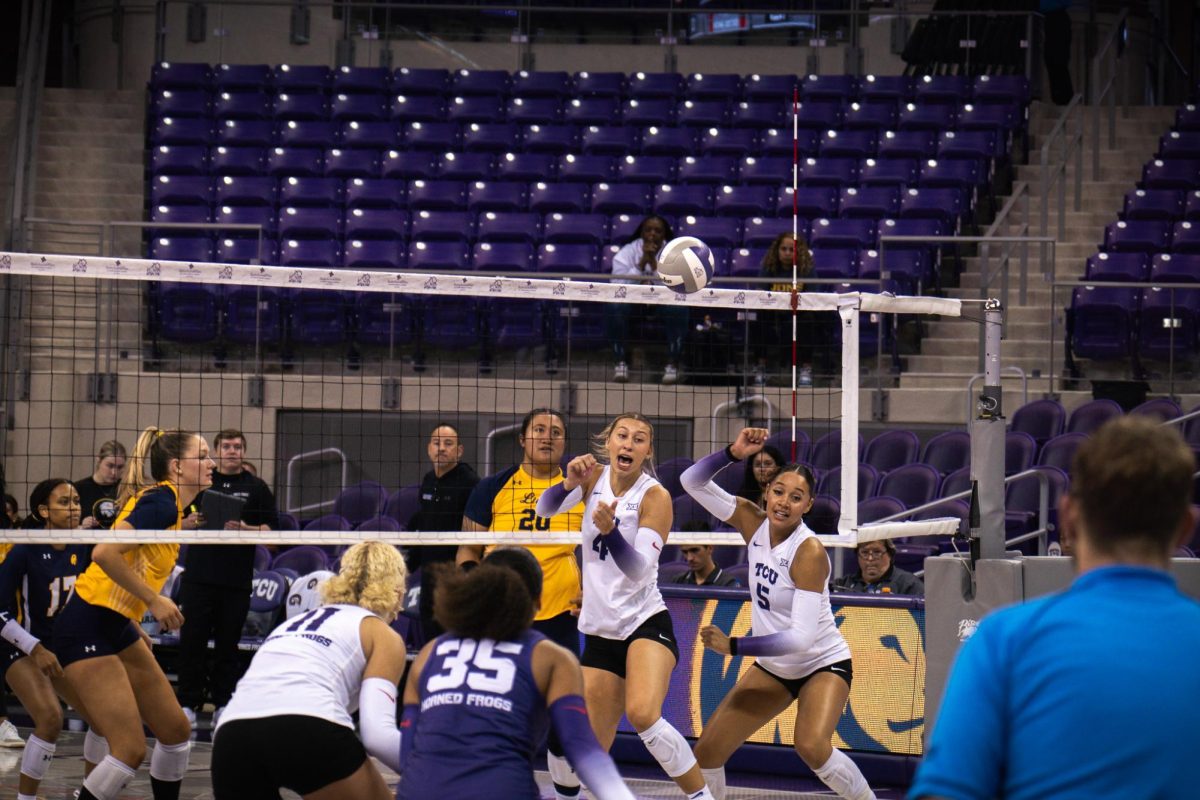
<point x="18" y="637"/>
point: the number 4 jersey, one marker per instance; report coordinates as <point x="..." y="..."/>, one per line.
<point x="311" y="665"/>
<point x="480" y="722"/>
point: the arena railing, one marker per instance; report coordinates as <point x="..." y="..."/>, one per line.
<point x="1108" y="59"/>
<point x="1070" y="145"/>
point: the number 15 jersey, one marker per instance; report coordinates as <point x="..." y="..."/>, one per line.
<point x="311" y="665"/>
<point x="507" y="501"/>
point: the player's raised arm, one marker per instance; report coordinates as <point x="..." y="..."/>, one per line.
<point x="578" y="479"/>
<point x="698" y="481"/>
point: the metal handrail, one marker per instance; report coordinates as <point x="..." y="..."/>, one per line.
<point x="1056" y="173"/>
<point x="1108" y="91"/>
<point x="489" y="444"/>
<point x="753" y="398"/>
<point x="324" y="454"/>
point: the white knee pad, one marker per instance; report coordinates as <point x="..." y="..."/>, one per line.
<point x="668" y="747"/>
<point x="108" y="779"/>
<point x="169" y="762"/>
<point x="561" y="772"/>
<point x="36" y="758"/>
<point x="95" y="747"/>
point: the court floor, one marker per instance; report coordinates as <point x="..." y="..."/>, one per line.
<point x="66" y="774"/>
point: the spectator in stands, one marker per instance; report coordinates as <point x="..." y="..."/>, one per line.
<point x="98" y="491"/>
<point x="637" y="257"/>
<point x="507" y="501"/>
<point x="215" y="591"/>
<point x="444" y="493"/>
<point x="702" y="571"/>
<point x="763" y="467"/>
<point x="878" y="574"/>
<point x="1106" y="669"/>
<point x="773" y="331"/>
<point x="12" y="510"/>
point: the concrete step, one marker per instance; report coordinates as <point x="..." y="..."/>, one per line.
<point x="1013" y="396"/>
<point x="116" y="173"/>
<point x="1035" y="296"/>
<point x="1010" y="348"/>
<point x="125" y="124"/>
<point x="968" y="364"/>
<point x="74" y="153"/>
<point x="99" y="138"/>
<point x="961" y="329"/>
<point x="1126" y="143"/>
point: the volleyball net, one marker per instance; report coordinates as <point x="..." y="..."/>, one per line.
<point x="336" y="377"/>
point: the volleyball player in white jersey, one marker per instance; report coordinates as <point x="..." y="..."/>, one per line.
<point x="629" y="642"/>
<point x="801" y="655"/>
<point x="289" y="722"/>
<point x="305" y="594"/>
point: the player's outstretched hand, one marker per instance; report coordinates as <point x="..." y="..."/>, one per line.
<point x="46" y="661"/>
<point x="605" y="517"/>
<point x="749" y="442"/>
<point x="579" y="469"/>
<point x="715" y="639"/>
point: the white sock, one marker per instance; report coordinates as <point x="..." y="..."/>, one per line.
<point x="714" y="779"/>
<point x="25" y="796"/>
<point x="703" y="794"/>
<point x="843" y="776"/>
<point x="566" y="782"/>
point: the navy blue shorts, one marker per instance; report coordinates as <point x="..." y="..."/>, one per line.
<point x="9" y="655"/>
<point x="82" y="630"/>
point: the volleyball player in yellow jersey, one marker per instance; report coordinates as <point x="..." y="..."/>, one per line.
<point x="97" y="637"/>
<point x="506" y="502"/>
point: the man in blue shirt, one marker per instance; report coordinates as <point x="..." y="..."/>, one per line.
<point x="1092" y="692"/>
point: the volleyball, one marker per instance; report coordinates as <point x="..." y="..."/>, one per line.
<point x="685" y="264"/>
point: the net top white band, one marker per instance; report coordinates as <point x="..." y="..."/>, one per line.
<point x="468" y="284"/>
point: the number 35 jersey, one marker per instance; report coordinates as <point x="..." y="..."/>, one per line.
<point x="311" y="665"/>
<point x="507" y="501"/>
<point x="480" y="721"/>
<point x="771" y="596"/>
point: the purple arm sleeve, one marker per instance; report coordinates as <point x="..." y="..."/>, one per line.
<point x="556" y="499"/>
<point x="806" y="608"/>
<point x="774" y="644"/>
<point x="626" y="556"/>
<point x="697" y="480"/>
<point x="408" y="727"/>
<point x="569" y="717"/>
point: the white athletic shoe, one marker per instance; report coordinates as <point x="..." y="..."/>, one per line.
<point x="191" y="716"/>
<point x="670" y="375"/>
<point x="621" y="373"/>
<point x="9" y="737"/>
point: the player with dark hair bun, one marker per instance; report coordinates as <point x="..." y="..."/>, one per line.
<point x="481" y="697"/>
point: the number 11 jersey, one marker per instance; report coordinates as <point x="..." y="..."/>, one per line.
<point x="311" y="665"/>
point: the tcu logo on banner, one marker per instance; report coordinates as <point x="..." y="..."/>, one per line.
<point x="296" y="277"/>
<point x="225" y="273"/>
<point x="79" y="266"/>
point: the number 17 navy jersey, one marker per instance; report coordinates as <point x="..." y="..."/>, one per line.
<point x="481" y="720"/>
<point x="36" y="580"/>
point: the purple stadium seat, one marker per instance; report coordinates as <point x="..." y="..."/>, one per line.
<point x="944" y="205"/>
<point x="819" y="115"/>
<point x="644" y="112"/>
<point x="745" y="263"/>
<point x="545" y="198"/>
<point x="830" y="482"/>
<point x="970" y="144"/>
<point x="408" y="164"/>
<point x="438" y="256"/>
<point x="1142" y="236"/>
<point x="912" y="484"/>
<point x="646" y="169"/>
<point x="309" y="253"/>
<point x="436" y="195"/>
<point x="959" y="173"/>
<point x="673" y="142"/>
<point x="360" y="502"/>
<point x="490" y="137"/>
<point x="688" y="512"/>
<point x="586" y="228"/>
<point x="267" y="597"/>
<point x="261" y="216"/>
<point x="306" y="558"/>
<point x="1041" y="419"/>
<point x="1185" y="237"/>
<point x="377" y="524"/>
<point x="1059" y="451"/>
<point x="524" y="167"/>
<point x="1118" y="267"/>
<point x="677" y="200"/>
<point x="180" y="103"/>
<point x="232" y="250"/>
<point x="357" y="106"/>
<point x="824" y="515"/>
<point x="436" y="225"/>
<point x="828" y="87"/>
<point x="300" y="161"/>
<point x="836" y="172"/>
<point x="870" y="115"/>
<point x="341" y="163"/>
<point x="1019" y="450"/>
<point x="1192" y="211"/>
<point x="383" y="319"/>
<point x="668" y="474"/>
<point x="870" y="202"/>
<point x="957" y="481"/>
<point x="291" y="106"/>
<point x="1021" y="497"/>
<point x="310" y="192"/>
<point x="838" y="263"/>
<point x="777" y="88"/>
<point x="374" y="193"/>
<point x="617" y="198"/>
<point x="179" y="160"/>
<point x="508" y="226"/>
<point x="244" y="191"/>
<point x="731" y="142"/>
<point x="297" y="78"/>
<point x="439" y="136"/>
<point x="1102" y="321"/>
<point x="591" y="111"/>
<point x="848" y="144"/>
<point x="262" y="557"/>
<point x="549" y="138"/>
<point x="599" y="84"/>
<point x="373" y="254"/>
<point x="1009" y="89"/>
<point x="808" y="201"/>
<point x="897" y="172"/>
<point x="464" y="166"/>
<point x="179" y="215"/>
<point x="761" y="231"/>
<point x="534" y="110"/>
<point x="948" y="452"/>
<point x="409" y="108"/>
<point x="770" y="170"/>
<point x="1091" y="415"/>
<point x="608" y="140"/>
<point x="306" y="133"/>
<point x="1154" y="204"/>
<point x="713" y="85"/>
<point x="181" y="130"/>
<point x="655" y="84"/>
<point x="589" y="168"/>
<point x="245" y="133"/>
<point x="1171" y="173"/>
<point x="669" y="571"/>
<point x="845" y="233"/>
<point x="540" y="84"/>
<point x="495" y="196"/>
<point x="702" y="113"/>
<point x="226" y="160"/>
<point x="490" y="82"/>
<point x="827" y="453"/>
<point x="954" y="89"/>
<point x="515" y="324"/>
<point x="1187" y="117"/>
<point x="242" y="77"/>
<point x="758" y="115"/>
<point x="180" y="75"/>
<point x="186" y="312"/>
<point x="888" y="87"/>
<point x="709" y="169"/>
<point x="744" y="201"/>
<point x="917" y="144"/>
<point x="421" y="81"/>
<point x="375" y="224"/>
<point x="780" y="142"/>
<point x="361" y="80"/>
<point x="873" y="509"/>
<point x="782" y="441"/>
<point x="717" y="232"/>
<point x="368" y="135"/>
<point x="1179" y="144"/>
<point x="241" y="106"/>
<point x="925" y="116"/>
<point x="995" y="117"/>
<point x="1181" y="268"/>
<point x="309" y="223"/>
<point x="1159" y="408"/>
<point x="183" y="190"/>
<point x="403" y="504"/>
<point x="566" y="258"/>
<point x="892" y="449"/>
<point x="503" y="257"/>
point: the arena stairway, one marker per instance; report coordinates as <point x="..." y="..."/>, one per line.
<point x="953" y="345"/>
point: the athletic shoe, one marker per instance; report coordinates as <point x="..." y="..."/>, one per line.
<point x="806" y="376"/>
<point x="9" y="737"/>
<point x="621" y="373"/>
<point x="191" y="717"/>
<point x="670" y="375"/>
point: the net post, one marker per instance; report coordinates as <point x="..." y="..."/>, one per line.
<point x="848" y="317"/>
<point x="987" y="444"/>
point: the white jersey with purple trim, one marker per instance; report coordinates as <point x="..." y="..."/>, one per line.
<point x="613" y="605"/>
<point x="311" y="665"/>
<point x="771" y="595"/>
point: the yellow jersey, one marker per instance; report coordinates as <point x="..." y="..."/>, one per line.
<point x="153" y="508"/>
<point x="507" y="501"/>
